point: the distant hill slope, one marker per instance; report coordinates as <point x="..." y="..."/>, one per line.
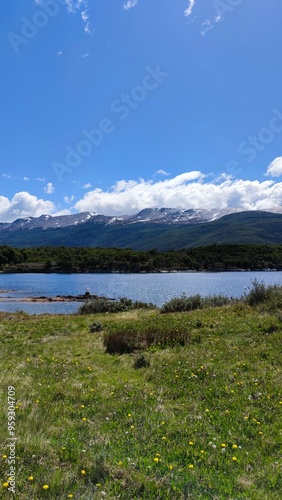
<point x="243" y="227"/>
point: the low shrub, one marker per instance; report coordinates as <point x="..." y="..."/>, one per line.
<point x="96" y="327"/>
<point x="184" y="303"/>
<point x="124" y="342"/>
<point x="141" y="361"/>
<point x="257" y="293"/>
<point x="97" y="306"/>
<point x="217" y="301"/>
<point x="269" y="296"/>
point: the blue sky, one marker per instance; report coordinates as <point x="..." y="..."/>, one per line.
<point x="112" y="106"/>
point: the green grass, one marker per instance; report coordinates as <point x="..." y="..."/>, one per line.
<point x="169" y="430"/>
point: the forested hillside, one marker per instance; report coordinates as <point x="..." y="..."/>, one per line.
<point x="260" y="228"/>
<point x="81" y="260"/>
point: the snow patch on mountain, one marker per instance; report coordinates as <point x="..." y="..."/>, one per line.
<point x="146" y="216"/>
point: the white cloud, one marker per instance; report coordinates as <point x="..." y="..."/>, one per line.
<point x="41" y="179"/>
<point x="209" y="24"/>
<point x="85" y="19"/>
<point x="84" y="16"/>
<point x="87" y="186"/>
<point x="223" y="177"/>
<point x="84" y="56"/>
<point x="130" y="4"/>
<point x="191" y="5"/>
<point x="59" y="53"/>
<point x="87" y="28"/>
<point x="275" y="167"/>
<point x="23" y="204"/>
<point x="69" y="199"/>
<point x="26" y="179"/>
<point x="49" y="189"/>
<point x="161" y="172"/>
<point x="74" y="6"/>
<point x="187" y="190"/>
<point x="6" y="176"/>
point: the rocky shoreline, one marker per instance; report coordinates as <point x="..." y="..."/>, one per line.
<point x="57" y="298"/>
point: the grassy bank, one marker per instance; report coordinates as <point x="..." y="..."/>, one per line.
<point x="197" y="416"/>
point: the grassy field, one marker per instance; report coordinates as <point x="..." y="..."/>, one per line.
<point x="195" y="416"/>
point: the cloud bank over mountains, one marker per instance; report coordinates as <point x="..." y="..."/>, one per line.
<point x="188" y="190"/>
<point x="191" y="189"/>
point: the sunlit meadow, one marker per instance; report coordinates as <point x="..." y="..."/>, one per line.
<point x="198" y="420"/>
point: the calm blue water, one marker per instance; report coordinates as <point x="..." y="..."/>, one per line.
<point x="156" y="288"/>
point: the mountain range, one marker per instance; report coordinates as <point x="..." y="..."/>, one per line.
<point x="159" y="228"/>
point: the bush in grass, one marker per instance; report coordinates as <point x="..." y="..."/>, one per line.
<point x="97" y="306"/>
<point x="257" y="293"/>
<point x="269" y="296"/>
<point x="96" y="327"/>
<point x="185" y="303"/>
<point x="141" y="361"/>
<point x="128" y="341"/>
<point x="217" y="301"/>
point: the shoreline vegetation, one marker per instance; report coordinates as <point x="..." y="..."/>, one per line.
<point x="213" y="258"/>
<point x="138" y="402"/>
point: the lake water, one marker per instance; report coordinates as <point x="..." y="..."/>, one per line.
<point x="156" y="287"/>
